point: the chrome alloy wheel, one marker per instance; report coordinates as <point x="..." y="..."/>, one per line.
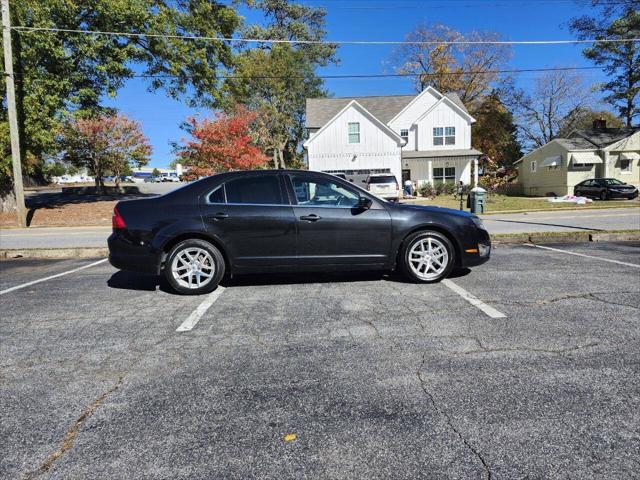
<point x="428" y="258"/>
<point x="193" y="268"/>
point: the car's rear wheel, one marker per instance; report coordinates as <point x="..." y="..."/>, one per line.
<point x="603" y="195"/>
<point x="427" y="256"/>
<point x="194" y="267"/>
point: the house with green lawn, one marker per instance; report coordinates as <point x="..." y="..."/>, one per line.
<point x="600" y="152"/>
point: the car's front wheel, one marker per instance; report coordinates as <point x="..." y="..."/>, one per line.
<point x="194" y="267"/>
<point x="427" y="256"/>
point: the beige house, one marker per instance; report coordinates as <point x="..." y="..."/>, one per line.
<point x="555" y="168"/>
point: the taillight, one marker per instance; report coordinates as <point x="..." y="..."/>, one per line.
<point x="117" y="221"/>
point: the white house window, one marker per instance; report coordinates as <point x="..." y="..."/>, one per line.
<point x="404" y="133"/>
<point x="450" y="136"/>
<point x="444" y="135"/>
<point x="354" y="132"/>
<point x="533" y="166"/>
<point x="625" y="166"/>
<point x="446" y="174"/>
<point x="438" y="136"/>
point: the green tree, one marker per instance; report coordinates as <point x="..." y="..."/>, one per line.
<point x="276" y="79"/>
<point x="583" y="118"/>
<point x="619" y="60"/>
<point x="495" y="133"/>
<point x="155" y="172"/>
<point x="58" y="72"/>
<point x="279" y="97"/>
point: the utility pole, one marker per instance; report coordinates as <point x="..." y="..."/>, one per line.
<point x="13" y="115"/>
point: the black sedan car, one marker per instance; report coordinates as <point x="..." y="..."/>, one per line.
<point x="264" y="221"/>
<point x="605" y="188"/>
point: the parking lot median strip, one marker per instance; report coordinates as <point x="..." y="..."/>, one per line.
<point x="193" y="319"/>
<point x="473" y="300"/>
<point x="51" y="277"/>
<point x="635" y="265"/>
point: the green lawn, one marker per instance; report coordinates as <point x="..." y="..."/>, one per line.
<point x="501" y="203"/>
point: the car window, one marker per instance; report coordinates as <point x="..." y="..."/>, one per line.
<point x="217" y="196"/>
<point x="587" y="183"/>
<point x="323" y="193"/>
<point x="613" y="181"/>
<point x="383" y="179"/>
<point x="254" y="189"/>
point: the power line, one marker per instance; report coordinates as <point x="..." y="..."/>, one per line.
<point x="380" y="75"/>
<point x="325" y="42"/>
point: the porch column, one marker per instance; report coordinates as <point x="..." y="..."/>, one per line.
<point x="605" y="164"/>
<point x="475" y="172"/>
<point x="430" y="171"/>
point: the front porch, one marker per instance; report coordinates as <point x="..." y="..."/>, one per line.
<point x="430" y="167"/>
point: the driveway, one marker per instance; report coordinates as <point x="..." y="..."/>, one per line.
<point x="524" y="367"/>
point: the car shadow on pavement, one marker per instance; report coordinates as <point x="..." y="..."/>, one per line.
<point x="149" y="283"/>
<point x="138" y="281"/>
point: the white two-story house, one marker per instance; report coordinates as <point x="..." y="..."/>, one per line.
<point x="425" y="138"/>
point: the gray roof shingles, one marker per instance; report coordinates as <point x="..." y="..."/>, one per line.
<point x="471" y="152"/>
<point x="384" y="108"/>
<point x="605" y="136"/>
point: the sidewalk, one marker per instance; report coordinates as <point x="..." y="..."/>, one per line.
<point x="558" y="221"/>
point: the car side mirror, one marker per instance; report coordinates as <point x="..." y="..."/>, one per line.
<point x="364" y="203"/>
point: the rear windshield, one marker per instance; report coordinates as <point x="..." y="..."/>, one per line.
<point x="383" y="179"/>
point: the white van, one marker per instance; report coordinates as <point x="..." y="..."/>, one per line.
<point x="383" y="185"/>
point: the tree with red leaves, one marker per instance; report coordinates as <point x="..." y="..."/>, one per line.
<point x="221" y="144"/>
<point x="108" y="144"/>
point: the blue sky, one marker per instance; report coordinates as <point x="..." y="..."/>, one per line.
<point x="388" y="20"/>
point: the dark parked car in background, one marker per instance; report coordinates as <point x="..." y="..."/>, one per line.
<point x="287" y="220"/>
<point x="605" y="188"/>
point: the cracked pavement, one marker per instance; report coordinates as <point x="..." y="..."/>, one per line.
<point x="377" y="378"/>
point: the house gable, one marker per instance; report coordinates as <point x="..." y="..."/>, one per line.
<point x="421" y="103"/>
<point x="444" y="113"/>
<point x="354" y="112"/>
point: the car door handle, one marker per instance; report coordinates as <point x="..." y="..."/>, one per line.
<point x="218" y="216"/>
<point x="311" y="218"/>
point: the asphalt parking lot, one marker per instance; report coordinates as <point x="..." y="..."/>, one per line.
<point x="326" y="376"/>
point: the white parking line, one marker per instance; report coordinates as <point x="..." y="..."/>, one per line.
<point x="28" y="284"/>
<point x="193" y="319"/>
<point x="473" y="300"/>
<point x="584" y="255"/>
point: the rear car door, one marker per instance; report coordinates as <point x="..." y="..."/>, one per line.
<point x="252" y="216"/>
<point x="331" y="229"/>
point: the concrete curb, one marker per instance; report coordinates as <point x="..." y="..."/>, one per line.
<point x="565" y="237"/>
<point x="54" y="253"/>
<point x="96" y="252"/>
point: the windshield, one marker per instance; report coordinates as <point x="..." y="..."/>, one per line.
<point x="383" y="179"/>
<point x="613" y="181"/>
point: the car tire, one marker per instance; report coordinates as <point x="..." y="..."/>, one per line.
<point x="194" y="267"/>
<point x="424" y="269"/>
<point x="603" y="195"/>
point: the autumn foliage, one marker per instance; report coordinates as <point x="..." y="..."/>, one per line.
<point x="221" y="144"/>
<point x="104" y="145"/>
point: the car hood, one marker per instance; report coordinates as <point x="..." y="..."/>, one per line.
<point x="434" y="209"/>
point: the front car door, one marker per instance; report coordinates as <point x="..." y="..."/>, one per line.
<point x="252" y="217"/>
<point x="331" y="229"/>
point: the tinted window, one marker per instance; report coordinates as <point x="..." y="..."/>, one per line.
<point x="321" y="192"/>
<point x="383" y="179"/>
<point x="217" y="196"/>
<point x="254" y="189"/>
<point x="613" y="181"/>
